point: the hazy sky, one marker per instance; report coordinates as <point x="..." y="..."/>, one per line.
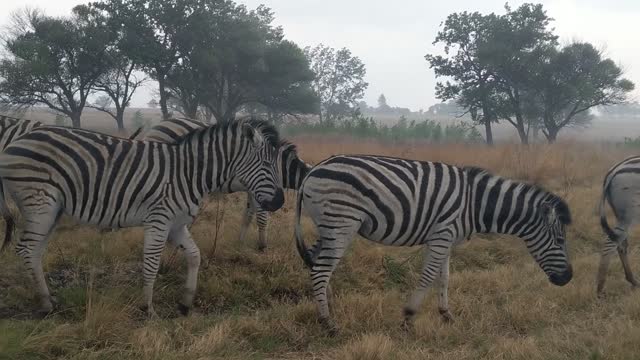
<point x="392" y="37"/>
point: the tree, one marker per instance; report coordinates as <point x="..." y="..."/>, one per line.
<point x="511" y="50"/>
<point x="153" y="103"/>
<point x="339" y="80"/>
<point x="151" y="31"/>
<point x="119" y="82"/>
<point x="571" y="81"/>
<point x="489" y="58"/>
<point x="382" y="102"/>
<point x="234" y="58"/>
<point x="53" y="61"/>
<point x="471" y="83"/>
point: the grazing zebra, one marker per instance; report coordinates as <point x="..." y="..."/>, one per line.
<point x="292" y="171"/>
<point x="621" y="189"/>
<point x="405" y="203"/>
<point x="11" y="129"/>
<point x="113" y="183"/>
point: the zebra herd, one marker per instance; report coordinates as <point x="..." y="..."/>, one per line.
<point x="160" y="180"/>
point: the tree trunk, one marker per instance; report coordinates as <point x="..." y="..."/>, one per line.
<point x="75" y="119"/>
<point x="522" y="134"/>
<point x="120" y="120"/>
<point x="552" y="134"/>
<point x="488" y="131"/>
<point x="163" y="98"/>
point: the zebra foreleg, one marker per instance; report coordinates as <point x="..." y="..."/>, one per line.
<point x="262" y="217"/>
<point x="248" y="217"/>
<point x="436" y="254"/>
<point x="182" y="238"/>
<point x="155" y="238"/>
<point x="443" y="298"/>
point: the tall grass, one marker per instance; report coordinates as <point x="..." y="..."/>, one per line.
<point x="258" y="305"/>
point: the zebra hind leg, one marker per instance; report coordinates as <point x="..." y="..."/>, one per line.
<point x="623" y="253"/>
<point x="436" y="255"/>
<point x="608" y="250"/>
<point x="31" y="247"/>
<point x="155" y="238"/>
<point x="443" y="298"/>
<point x="182" y="239"/>
<point x="331" y="246"/>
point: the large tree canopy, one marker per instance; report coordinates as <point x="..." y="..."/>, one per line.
<point x="214" y="54"/>
<point x="53" y="62"/>
<point x="509" y="68"/>
<point x="339" y="80"/>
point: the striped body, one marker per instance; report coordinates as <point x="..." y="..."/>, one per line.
<point x="112" y="183"/>
<point x="291" y="171"/>
<point x="621" y="190"/>
<point x="404" y="203"/>
<point x="11" y="129"/>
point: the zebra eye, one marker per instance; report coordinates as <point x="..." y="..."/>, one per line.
<point x="266" y="163"/>
<point x="560" y="241"/>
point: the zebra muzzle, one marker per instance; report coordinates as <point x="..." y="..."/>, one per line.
<point x="561" y="279"/>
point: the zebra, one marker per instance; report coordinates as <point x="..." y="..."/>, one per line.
<point x="403" y="202"/>
<point x="10" y="129"/>
<point x="622" y="191"/>
<point x="292" y="171"/>
<point x="114" y="183"/>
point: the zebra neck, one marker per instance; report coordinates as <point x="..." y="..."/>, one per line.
<point x="205" y="167"/>
<point x="293" y="172"/>
<point x="499" y="205"/>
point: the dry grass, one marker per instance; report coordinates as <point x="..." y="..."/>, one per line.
<point x="256" y="306"/>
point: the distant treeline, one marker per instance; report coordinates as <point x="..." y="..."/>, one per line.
<point x="363" y="127"/>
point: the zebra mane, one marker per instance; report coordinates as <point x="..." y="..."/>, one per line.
<point x="268" y="131"/>
<point x="559" y="204"/>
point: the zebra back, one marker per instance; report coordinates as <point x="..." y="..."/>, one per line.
<point x="12" y="128"/>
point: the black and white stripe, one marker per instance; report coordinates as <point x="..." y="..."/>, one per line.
<point x="113" y="182"/>
<point x="621" y="189"/>
<point x="405" y="203"/>
<point x="10" y="129"/>
<point x="292" y="171"/>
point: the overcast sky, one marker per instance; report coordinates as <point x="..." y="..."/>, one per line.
<point x="392" y="37"/>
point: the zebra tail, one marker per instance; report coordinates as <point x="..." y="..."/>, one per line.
<point x="603" y="216"/>
<point x="136" y="133"/>
<point x="302" y="248"/>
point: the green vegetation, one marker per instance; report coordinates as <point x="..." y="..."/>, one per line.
<point x="363" y="127"/>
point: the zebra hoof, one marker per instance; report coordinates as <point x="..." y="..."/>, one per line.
<point x="183" y="309"/>
<point x="446" y="315"/>
<point x="330" y="326"/>
<point x="42" y="313"/>
<point x="149" y="312"/>
<point x="262" y="247"/>
<point x="407" y="325"/>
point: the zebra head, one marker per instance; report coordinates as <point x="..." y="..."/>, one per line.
<point x="545" y="238"/>
<point x="258" y="172"/>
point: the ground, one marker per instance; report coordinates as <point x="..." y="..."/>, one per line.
<point x="258" y="305"/>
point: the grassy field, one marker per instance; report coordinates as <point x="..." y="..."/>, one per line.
<point x="252" y="305"/>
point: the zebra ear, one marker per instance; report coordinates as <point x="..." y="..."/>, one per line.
<point x="252" y="134"/>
